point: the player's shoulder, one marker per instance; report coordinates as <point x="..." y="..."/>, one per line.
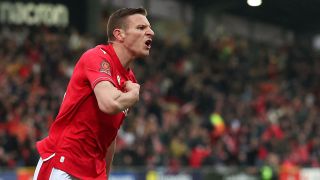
<point x="98" y="50"/>
<point x="95" y="53"/>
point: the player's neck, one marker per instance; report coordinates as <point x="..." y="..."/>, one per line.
<point x="123" y="54"/>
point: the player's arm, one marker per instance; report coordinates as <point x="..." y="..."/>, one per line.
<point x="111" y="100"/>
<point x="110" y="154"/>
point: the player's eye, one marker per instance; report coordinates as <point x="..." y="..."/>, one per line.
<point x="140" y="27"/>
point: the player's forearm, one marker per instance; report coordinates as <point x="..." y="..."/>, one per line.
<point x="126" y="100"/>
<point x="120" y="102"/>
<point x="112" y="101"/>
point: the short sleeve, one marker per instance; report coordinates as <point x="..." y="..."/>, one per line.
<point x="98" y="69"/>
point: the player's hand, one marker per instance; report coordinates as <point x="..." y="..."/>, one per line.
<point x="132" y="88"/>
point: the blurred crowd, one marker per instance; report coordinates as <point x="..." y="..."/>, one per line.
<point x="227" y="101"/>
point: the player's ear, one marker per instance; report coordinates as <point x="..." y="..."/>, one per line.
<point x="118" y="34"/>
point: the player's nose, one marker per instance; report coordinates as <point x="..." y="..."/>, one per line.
<point x="150" y="32"/>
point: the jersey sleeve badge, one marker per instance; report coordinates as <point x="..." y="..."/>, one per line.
<point x="105" y="67"/>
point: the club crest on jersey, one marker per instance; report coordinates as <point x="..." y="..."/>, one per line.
<point x="105" y="67"/>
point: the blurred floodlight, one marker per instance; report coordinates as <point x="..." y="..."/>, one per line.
<point x="254" y="3"/>
<point x="316" y="42"/>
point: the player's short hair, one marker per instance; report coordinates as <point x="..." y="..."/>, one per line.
<point x="117" y="19"/>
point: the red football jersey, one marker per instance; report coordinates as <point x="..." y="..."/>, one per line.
<point x="81" y="134"/>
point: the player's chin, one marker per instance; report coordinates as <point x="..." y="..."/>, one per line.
<point x="145" y="53"/>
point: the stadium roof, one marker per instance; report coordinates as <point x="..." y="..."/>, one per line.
<point x="301" y="16"/>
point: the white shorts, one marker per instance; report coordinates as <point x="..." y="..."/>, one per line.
<point x="56" y="174"/>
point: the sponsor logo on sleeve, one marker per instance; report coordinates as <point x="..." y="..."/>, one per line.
<point x="105" y="67"/>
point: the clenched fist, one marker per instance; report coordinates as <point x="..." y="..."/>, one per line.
<point x="132" y="88"/>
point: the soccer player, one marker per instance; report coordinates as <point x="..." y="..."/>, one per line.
<point x="102" y="89"/>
